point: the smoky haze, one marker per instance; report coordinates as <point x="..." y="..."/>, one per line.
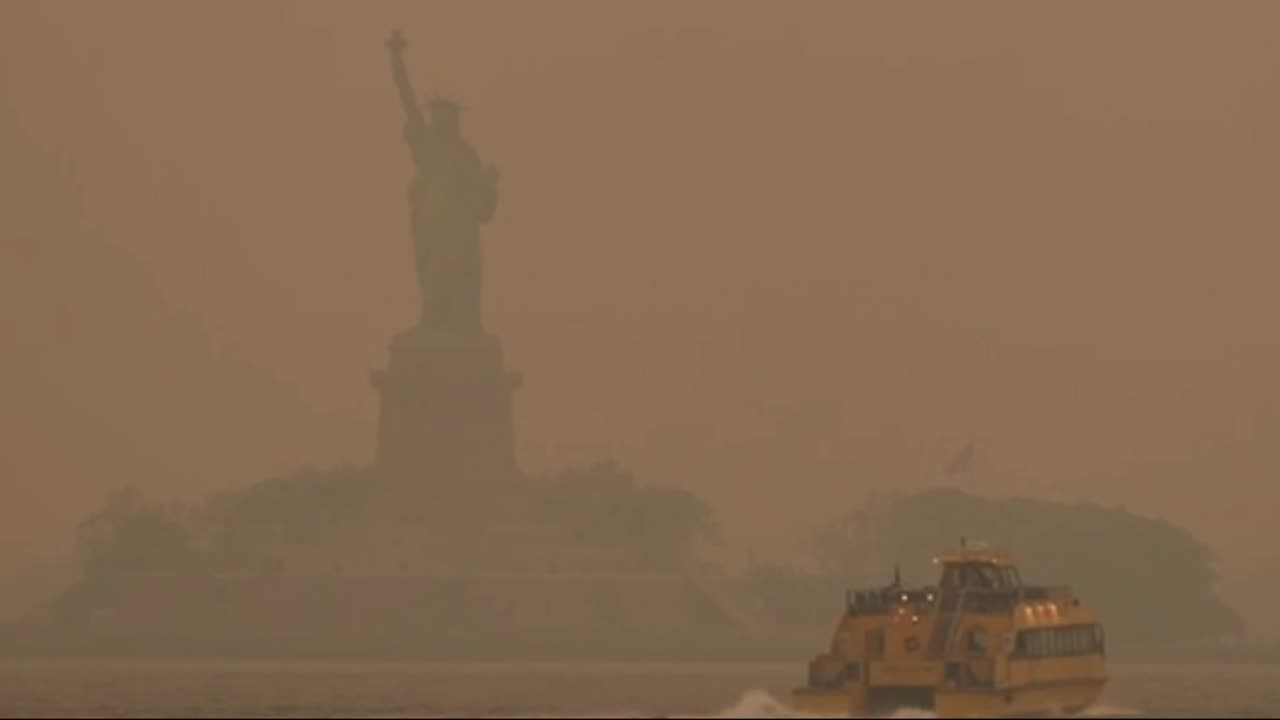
<point x="1047" y="230"/>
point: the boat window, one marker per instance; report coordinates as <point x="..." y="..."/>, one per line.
<point x="978" y="641"/>
<point x="950" y="577"/>
<point x="986" y="576"/>
<point x="980" y="576"/>
<point x="1058" y="641"/>
<point x="1035" y="644"/>
<point x="1022" y="645"/>
<point x="875" y="644"/>
<point x="967" y="576"/>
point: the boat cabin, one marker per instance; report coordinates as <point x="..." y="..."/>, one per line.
<point x="982" y="570"/>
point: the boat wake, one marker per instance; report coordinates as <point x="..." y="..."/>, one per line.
<point x="760" y="704"/>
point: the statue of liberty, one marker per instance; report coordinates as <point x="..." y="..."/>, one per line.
<point x="450" y="196"/>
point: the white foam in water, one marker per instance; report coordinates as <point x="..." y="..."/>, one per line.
<point x="1110" y="712"/>
<point x="760" y="704"/>
<point x="757" y="703"/>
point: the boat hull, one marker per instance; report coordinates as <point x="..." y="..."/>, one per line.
<point x="1026" y="701"/>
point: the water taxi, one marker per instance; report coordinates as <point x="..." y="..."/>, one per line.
<point x="978" y="644"/>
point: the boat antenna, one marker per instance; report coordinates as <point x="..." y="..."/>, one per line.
<point x="897" y="576"/>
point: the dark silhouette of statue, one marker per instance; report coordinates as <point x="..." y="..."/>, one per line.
<point x="450" y="196"/>
<point x="446" y="420"/>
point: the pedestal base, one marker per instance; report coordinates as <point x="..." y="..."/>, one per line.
<point x="446" y="418"/>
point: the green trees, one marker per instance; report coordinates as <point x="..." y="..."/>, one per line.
<point x="132" y="534"/>
<point x="238" y="528"/>
<point x="651" y="527"/>
<point x="129" y="535"/>
<point x="648" y="528"/>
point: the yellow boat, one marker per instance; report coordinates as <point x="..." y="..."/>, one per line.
<point x="979" y="644"/>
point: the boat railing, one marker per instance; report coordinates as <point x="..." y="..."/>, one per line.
<point x="995" y="601"/>
<point x="982" y="601"/>
<point x="879" y="601"/>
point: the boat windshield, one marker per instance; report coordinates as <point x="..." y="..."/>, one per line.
<point x="979" y="576"/>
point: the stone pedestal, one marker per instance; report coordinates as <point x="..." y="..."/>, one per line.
<point x="446" y="418"/>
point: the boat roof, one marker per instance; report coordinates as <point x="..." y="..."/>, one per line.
<point x="975" y="553"/>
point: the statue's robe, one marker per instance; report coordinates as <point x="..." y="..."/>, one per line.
<point x="451" y="195"/>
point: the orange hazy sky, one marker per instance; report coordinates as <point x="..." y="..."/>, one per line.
<point x="1048" y="227"/>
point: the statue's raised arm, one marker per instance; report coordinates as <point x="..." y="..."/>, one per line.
<point x="413" y="114"/>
